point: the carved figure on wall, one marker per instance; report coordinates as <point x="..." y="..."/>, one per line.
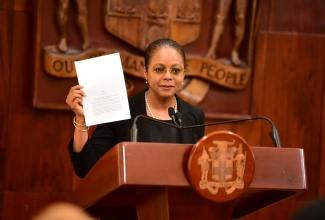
<point x="222" y="15"/>
<point x="188" y="9"/>
<point x="240" y="164"/>
<point x="82" y="20"/>
<point x="203" y="161"/>
<point x="157" y="20"/>
<point x="124" y="6"/>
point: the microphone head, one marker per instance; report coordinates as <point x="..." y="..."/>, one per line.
<point x="179" y="118"/>
<point x="178" y="115"/>
<point x="171" y="112"/>
<point x="275" y="137"/>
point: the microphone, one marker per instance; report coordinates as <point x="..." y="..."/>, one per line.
<point x="174" y="116"/>
<point x="171" y="113"/>
<point x="134" y="130"/>
<point x="179" y="118"/>
<point x="273" y="133"/>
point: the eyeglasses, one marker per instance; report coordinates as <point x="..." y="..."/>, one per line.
<point x="174" y="70"/>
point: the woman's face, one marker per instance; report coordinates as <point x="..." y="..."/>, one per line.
<point x="165" y="73"/>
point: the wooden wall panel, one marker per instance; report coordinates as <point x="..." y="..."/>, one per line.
<point x="294" y="82"/>
<point x="37" y="158"/>
<point x="6" y="4"/>
<point x="24" y="5"/>
<point x="293" y="85"/>
<point x="292" y="96"/>
<point x="5" y="33"/>
<point x="25" y="205"/>
<point x="302" y="16"/>
<point x="322" y="152"/>
<point x="35" y="167"/>
<point x="40" y="159"/>
<point x="283" y="211"/>
<point x="249" y="130"/>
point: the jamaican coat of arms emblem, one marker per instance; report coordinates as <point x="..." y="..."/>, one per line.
<point x="221" y="166"/>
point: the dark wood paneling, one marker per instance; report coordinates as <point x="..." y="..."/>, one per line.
<point x="289" y="89"/>
<point x="39" y="155"/>
<point x="6" y="4"/>
<point x="322" y="152"/>
<point x="24" y="5"/>
<point x="249" y="130"/>
<point x="282" y="210"/>
<point x="17" y="5"/>
<point x="265" y="16"/>
<point x="293" y="88"/>
<point x="5" y="39"/>
<point x="25" y="205"/>
<point x="21" y="57"/>
<point x="37" y="158"/>
<point x="302" y="16"/>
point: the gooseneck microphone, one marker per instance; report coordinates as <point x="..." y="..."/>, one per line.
<point x="171" y="113"/>
<point x="134" y="130"/>
<point x="175" y="116"/>
<point x="178" y="117"/>
<point x="273" y="133"/>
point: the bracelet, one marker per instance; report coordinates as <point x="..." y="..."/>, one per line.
<point x="83" y="130"/>
<point x="76" y="123"/>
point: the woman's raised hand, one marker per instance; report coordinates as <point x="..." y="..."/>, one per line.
<point x="74" y="100"/>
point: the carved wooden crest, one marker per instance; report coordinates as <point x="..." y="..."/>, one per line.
<point x="218" y="38"/>
<point x="221" y="166"/>
<point x="141" y="24"/>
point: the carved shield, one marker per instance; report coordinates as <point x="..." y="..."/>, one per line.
<point x="222" y="170"/>
<point x="179" y="20"/>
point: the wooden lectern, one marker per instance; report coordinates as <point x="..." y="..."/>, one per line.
<point x="149" y="181"/>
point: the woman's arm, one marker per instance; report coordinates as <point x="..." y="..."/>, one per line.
<point x="74" y="100"/>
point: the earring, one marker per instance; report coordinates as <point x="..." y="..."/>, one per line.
<point x="146" y="81"/>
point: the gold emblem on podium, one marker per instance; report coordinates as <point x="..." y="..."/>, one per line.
<point x="221" y="166"/>
<point x="222" y="160"/>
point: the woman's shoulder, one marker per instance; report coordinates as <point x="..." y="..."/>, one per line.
<point x="137" y="97"/>
<point x="188" y="107"/>
<point x="183" y="103"/>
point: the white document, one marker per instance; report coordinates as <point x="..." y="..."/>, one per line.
<point x="106" y="97"/>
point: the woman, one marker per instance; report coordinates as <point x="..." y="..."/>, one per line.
<point x="164" y="72"/>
